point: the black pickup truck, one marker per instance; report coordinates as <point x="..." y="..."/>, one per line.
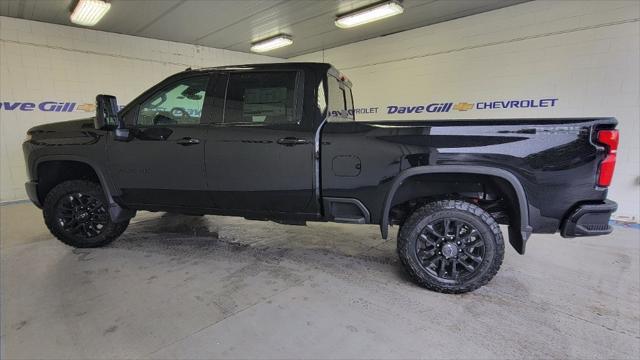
<point x="279" y="142"/>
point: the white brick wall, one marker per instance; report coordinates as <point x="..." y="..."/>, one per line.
<point x="585" y="53"/>
<point x="46" y="62"/>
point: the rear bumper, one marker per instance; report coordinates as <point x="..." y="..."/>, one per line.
<point x="589" y="220"/>
<point x="32" y="192"/>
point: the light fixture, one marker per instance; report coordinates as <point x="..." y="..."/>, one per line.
<point x="271" y="43"/>
<point x="89" y="12"/>
<point x="369" y="14"/>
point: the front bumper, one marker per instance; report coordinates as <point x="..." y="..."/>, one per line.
<point x="589" y="220"/>
<point x="32" y="192"/>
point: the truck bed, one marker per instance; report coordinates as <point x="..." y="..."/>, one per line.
<point x="555" y="160"/>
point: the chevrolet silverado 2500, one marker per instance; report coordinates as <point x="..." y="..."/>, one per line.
<point x="279" y="142"/>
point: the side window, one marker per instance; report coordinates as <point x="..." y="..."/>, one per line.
<point x="261" y="98"/>
<point x="337" y="103"/>
<point x="322" y="98"/>
<point x="177" y="104"/>
<point x="349" y="98"/>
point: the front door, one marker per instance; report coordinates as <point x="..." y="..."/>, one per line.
<point x="261" y="157"/>
<point x="162" y="166"/>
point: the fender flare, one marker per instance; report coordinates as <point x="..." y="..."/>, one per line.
<point x="116" y="212"/>
<point x="516" y="238"/>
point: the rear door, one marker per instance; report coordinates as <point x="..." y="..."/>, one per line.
<point x="163" y="165"/>
<point x="261" y="157"/>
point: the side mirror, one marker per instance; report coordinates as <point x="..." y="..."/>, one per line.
<point x="122" y="134"/>
<point x="106" y="112"/>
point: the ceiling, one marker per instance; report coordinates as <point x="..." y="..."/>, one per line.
<point x="234" y="24"/>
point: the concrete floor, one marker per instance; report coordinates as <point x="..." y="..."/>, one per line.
<point x="212" y="287"/>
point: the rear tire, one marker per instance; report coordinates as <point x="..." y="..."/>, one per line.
<point x="451" y="246"/>
<point x="76" y="212"/>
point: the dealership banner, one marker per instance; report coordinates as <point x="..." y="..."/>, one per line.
<point x="444" y="107"/>
<point x="390" y="109"/>
<point x="48" y="106"/>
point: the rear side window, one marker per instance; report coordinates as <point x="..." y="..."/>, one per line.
<point x="340" y="103"/>
<point x="349" y="99"/>
<point x="322" y="99"/>
<point x="261" y="98"/>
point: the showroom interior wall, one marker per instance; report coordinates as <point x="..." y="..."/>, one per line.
<point x="585" y="54"/>
<point x="47" y="65"/>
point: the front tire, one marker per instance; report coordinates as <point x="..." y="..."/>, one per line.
<point x="451" y="246"/>
<point x="76" y="212"/>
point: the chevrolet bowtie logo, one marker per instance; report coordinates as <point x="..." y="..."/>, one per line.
<point x="86" y="107"/>
<point x="463" y="106"/>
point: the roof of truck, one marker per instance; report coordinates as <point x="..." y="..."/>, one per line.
<point x="266" y="66"/>
<point x="318" y="66"/>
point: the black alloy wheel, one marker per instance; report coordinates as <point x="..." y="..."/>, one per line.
<point x="76" y="212"/>
<point x="81" y="215"/>
<point x="450" y="249"/>
<point x="451" y="246"/>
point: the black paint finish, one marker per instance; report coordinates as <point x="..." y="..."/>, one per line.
<point x="554" y="160"/>
<point x="284" y="171"/>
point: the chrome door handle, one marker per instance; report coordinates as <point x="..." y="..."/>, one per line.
<point x="291" y="141"/>
<point x="188" y="141"/>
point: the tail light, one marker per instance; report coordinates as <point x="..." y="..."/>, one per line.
<point x="610" y="139"/>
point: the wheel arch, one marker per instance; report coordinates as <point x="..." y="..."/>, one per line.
<point x="519" y="230"/>
<point x="116" y="212"/>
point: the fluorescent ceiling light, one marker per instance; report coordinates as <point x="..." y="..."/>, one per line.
<point x="271" y="43"/>
<point x="369" y="14"/>
<point x="89" y="12"/>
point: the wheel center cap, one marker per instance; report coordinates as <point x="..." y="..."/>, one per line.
<point x="82" y="215"/>
<point x="449" y="250"/>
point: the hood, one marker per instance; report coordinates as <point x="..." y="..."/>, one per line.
<point x="70" y="125"/>
<point x="73" y="132"/>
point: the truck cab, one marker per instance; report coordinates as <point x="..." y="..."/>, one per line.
<point x="239" y="140"/>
